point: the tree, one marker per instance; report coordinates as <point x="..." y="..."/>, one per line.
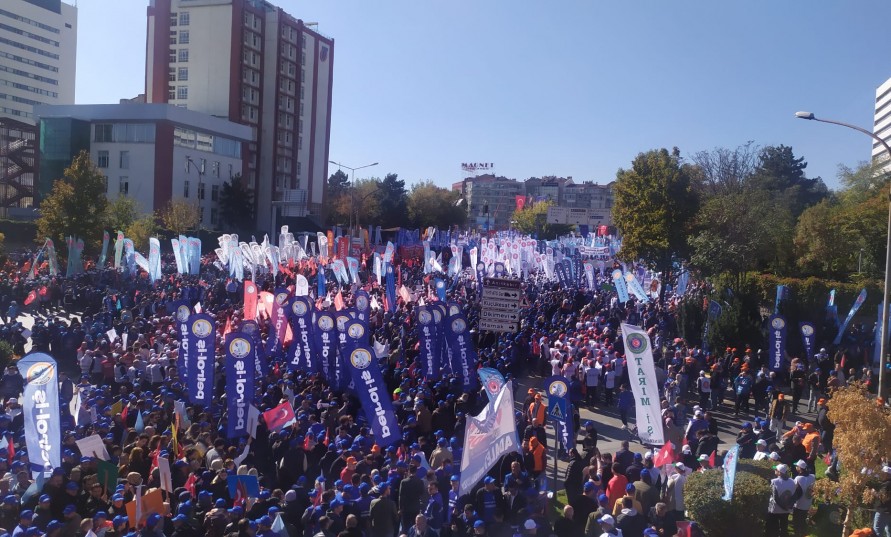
<point x="533" y="220"/>
<point x="430" y="205"/>
<point x="725" y="171"/>
<point x="820" y="244"/>
<point x="366" y="201"/>
<point x="337" y="197"/>
<point x="237" y="205"/>
<point x="654" y="208"/>
<point x="393" y="199"/>
<point x="120" y="213"/>
<point x="140" y="231"/>
<point x="779" y="171"/>
<point x="180" y="216"/>
<point x="76" y="205"/>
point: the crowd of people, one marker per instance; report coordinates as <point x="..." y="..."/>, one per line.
<point x="116" y="342"/>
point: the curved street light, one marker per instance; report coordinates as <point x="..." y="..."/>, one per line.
<point x="883" y="343"/>
<point x="353" y="186"/>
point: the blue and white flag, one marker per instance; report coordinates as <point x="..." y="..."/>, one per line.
<point x="391" y="288"/>
<point x="683" y="279"/>
<point x="808" y="336"/>
<point x="325" y="342"/>
<point x="202" y="362"/>
<point x="636" y="288"/>
<point x="621" y="288"/>
<point x="776" y="341"/>
<point x="642" y="375"/>
<point x="730" y="460"/>
<point x="462" y="351"/>
<point x="372" y="391"/>
<point x="427" y="343"/>
<point x="278" y="323"/>
<point x="439" y="285"/>
<point x="239" y="382"/>
<point x="861" y="298"/>
<point x="40" y="409"/>
<point x="492" y="380"/>
<point x="300" y="355"/>
<point x="782" y="294"/>
<point x="181" y="312"/>
<point x="488" y="436"/>
<point x="363" y="306"/>
<point x="154" y="260"/>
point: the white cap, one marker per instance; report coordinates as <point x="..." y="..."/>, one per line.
<point x="530" y="525"/>
<point x="680" y="466"/>
<point x="801" y="464"/>
<point x="761" y="442"/>
<point x="774" y="456"/>
<point x="782" y="468"/>
<point x="606" y="519"/>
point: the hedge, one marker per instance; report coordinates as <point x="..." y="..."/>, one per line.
<point x="744" y="515"/>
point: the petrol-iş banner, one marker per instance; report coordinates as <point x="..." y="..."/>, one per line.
<point x="325" y="338"/>
<point x="391" y="289"/>
<point x="239" y="382"/>
<point x="363" y="305"/>
<point x="808" y="335"/>
<point x="277" y="323"/>
<point x="252" y="329"/>
<point x="40" y="409"/>
<point x="181" y="313"/>
<point x="776" y="341"/>
<point x="300" y="356"/>
<point x="427" y="341"/>
<point x="463" y="352"/>
<point x="341" y="318"/>
<point x="201" y="359"/>
<point x="440" y="348"/>
<point x="372" y="392"/>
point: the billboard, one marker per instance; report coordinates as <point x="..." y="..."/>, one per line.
<point x="474" y="167"/>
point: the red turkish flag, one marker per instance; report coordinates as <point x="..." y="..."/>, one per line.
<point x="665" y="456"/>
<point x="521" y="202"/>
<point x="32" y="296"/>
<point x="279" y="416"/>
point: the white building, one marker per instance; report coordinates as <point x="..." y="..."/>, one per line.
<point x="38" y="44"/>
<point x="255" y="64"/>
<point x="151" y="152"/>
<point x="882" y="121"/>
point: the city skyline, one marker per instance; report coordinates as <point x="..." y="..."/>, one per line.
<point x="577" y="90"/>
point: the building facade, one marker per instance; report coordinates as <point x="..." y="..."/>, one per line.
<point x="588" y="195"/>
<point x="153" y="153"/>
<point x="253" y="63"/>
<point x="38" y="45"/>
<point x="882" y="122"/>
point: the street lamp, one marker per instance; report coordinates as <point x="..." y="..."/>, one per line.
<point x="353" y="184"/>
<point x="884" y="328"/>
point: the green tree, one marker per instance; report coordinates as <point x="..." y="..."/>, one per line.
<point x="779" y="171"/>
<point x="366" y="200"/>
<point x="237" y="205"/>
<point x="76" y="205"/>
<point x="654" y="208"/>
<point x="140" y="231"/>
<point x="336" y="194"/>
<point x="430" y="205"/>
<point x="120" y="213"/>
<point x="533" y="220"/>
<point x="180" y="217"/>
<point x="393" y="199"/>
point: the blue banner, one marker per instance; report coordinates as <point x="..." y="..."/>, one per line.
<point x="363" y="305"/>
<point x="277" y="323"/>
<point x="300" y="357"/>
<point x="492" y="380"/>
<point x="40" y="409"/>
<point x="861" y="298"/>
<point x="325" y="342"/>
<point x="808" y="336"/>
<point x="440" y="286"/>
<point x="782" y="294"/>
<point x="730" y="460"/>
<point x="372" y="392"/>
<point x="202" y="362"/>
<point x="560" y="410"/>
<point x="239" y="382"/>
<point x="341" y="319"/>
<point x="462" y="352"/>
<point x="776" y="342"/>
<point x="427" y="341"/>
<point x="391" y="288"/>
<point x="320" y="282"/>
<point x="251" y="328"/>
<point x="181" y="312"/>
<point x="621" y="288"/>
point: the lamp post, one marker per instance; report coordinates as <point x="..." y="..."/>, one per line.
<point x="883" y="344"/>
<point x="352" y="185"/>
<point x="201" y="170"/>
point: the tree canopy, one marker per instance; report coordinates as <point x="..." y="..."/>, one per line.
<point x="430" y="205"/>
<point x="76" y="206"/>
<point x="237" y="205"/>
<point x="533" y="220"/>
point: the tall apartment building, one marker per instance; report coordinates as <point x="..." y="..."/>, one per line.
<point x="253" y="63"/>
<point x="882" y="122"/>
<point x="38" y="45"/>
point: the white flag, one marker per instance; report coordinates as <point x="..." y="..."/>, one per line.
<point x="642" y="374"/>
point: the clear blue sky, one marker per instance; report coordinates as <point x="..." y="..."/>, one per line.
<point x="571" y="88"/>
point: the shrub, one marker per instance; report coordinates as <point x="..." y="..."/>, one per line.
<point x="744" y="515"/>
<point x="6" y="354"/>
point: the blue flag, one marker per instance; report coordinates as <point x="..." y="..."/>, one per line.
<point x="560" y="409"/>
<point x="181" y="312"/>
<point x="462" y="352"/>
<point x="320" y="291"/>
<point x="372" y="391"/>
<point x="427" y="341"/>
<point x="777" y="342"/>
<point x="239" y="382"/>
<point x="200" y="380"/>
<point x="325" y="342"/>
<point x="252" y="329"/>
<point x="730" y="460"/>
<point x="621" y="287"/>
<point x="40" y="409"/>
<point x="363" y="305"/>
<point x="808" y="336"/>
<point x="861" y="298"/>
<point x="300" y="357"/>
<point x="440" y="289"/>
<point x="391" y="289"/>
<point x="341" y="319"/>
<point x="277" y="323"/>
<point x="492" y="380"/>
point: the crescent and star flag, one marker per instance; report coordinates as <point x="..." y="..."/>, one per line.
<point x="642" y="375"/>
<point x="487" y="437"/>
<point x="250" y="300"/>
<point x="665" y="456"/>
<point x="200" y="378"/>
<point x="40" y="409"/>
<point x="279" y="417"/>
<point x="240" y="371"/>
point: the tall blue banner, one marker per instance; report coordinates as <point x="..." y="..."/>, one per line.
<point x="202" y="361"/>
<point x="427" y="341"/>
<point x="181" y="313"/>
<point x="441" y="347"/>
<point x="440" y="286"/>
<point x="40" y="409"/>
<point x="480" y="274"/>
<point x="782" y="294"/>
<point x="239" y="382"/>
<point x="341" y="319"/>
<point x="462" y="351"/>
<point x="391" y="288"/>
<point x="730" y="460"/>
<point x="320" y="283"/>
<point x="363" y="305"/>
<point x="808" y="336"/>
<point x="300" y="357"/>
<point x="861" y="298"/>
<point x="252" y="329"/>
<point x="560" y="410"/>
<point x="325" y="339"/>
<point x="621" y="287"/>
<point x="776" y="341"/>
<point x="277" y="323"/>
<point x="372" y="392"/>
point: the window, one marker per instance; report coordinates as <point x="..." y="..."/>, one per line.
<point x="102" y="159"/>
<point x="216" y="169"/>
<point x="185" y="189"/>
<point x="183" y="73"/>
<point x="103" y="133"/>
<point x="182" y="92"/>
<point x="184" y="18"/>
<point x="171" y="93"/>
<point x="200" y="190"/>
<point x="213" y="216"/>
<point x="171" y="74"/>
<point x="183" y="55"/>
<point x="214" y="192"/>
<point x="201" y="214"/>
<point x="124" y="185"/>
<point x="299" y="142"/>
<point x="183" y="37"/>
<point x="125" y="160"/>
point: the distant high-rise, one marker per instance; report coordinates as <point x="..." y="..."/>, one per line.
<point x="253" y="63"/>
<point x="882" y="122"/>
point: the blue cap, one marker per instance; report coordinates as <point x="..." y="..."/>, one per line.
<point x="629" y="488"/>
<point x="589" y="486"/>
<point x="266" y="521"/>
<point x="479" y="524"/>
<point x="27" y="514"/>
<point x="489" y="480"/>
<point x="455" y="477"/>
<point x="603" y="498"/>
<point x="44" y="498"/>
<point x="220" y="503"/>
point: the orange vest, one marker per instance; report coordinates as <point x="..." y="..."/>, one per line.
<point x="537" y="413"/>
